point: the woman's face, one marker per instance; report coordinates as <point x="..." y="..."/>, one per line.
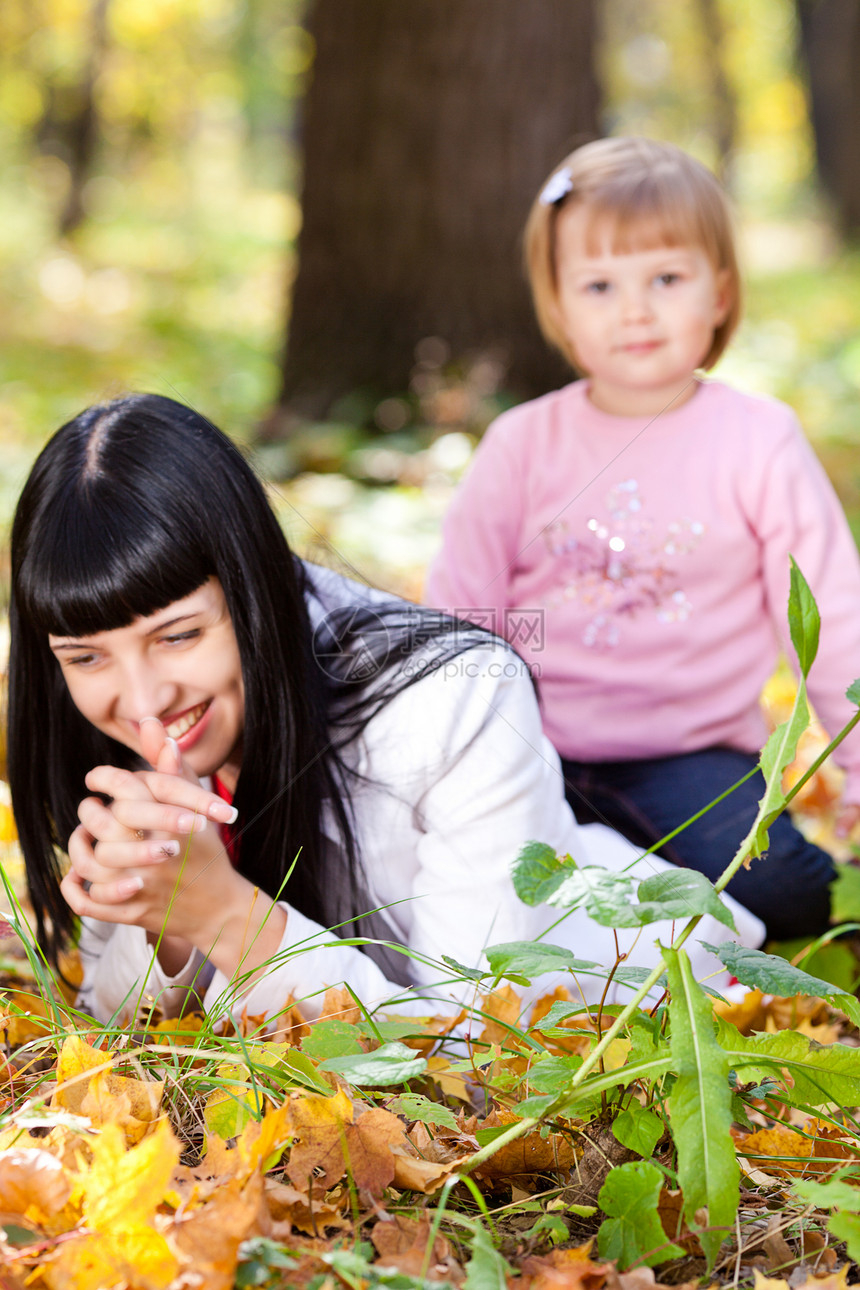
<point x="181" y="665"/>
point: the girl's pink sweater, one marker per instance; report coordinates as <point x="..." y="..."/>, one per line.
<point x="641" y="569"/>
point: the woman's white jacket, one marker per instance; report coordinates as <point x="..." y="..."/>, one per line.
<point x="454" y="776"/>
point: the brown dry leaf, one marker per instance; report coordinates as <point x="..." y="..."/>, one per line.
<point x="33" y="1183"/>
<point x="339" y="1003"/>
<point x="318" y="1125"/>
<point x="414" y="1174"/>
<point x="527" y="1155"/>
<point x="309" y="1214"/>
<point x="207" y="1240"/>
<point x="401" y="1243"/>
<point x="368" y="1149"/>
<point x="644" y="1279"/>
<point x="563" y="1270"/>
<point x="779" y="1253"/>
<point x="815" y="1248"/>
<point x="670" y="1210"/>
<point x="502" y="1006"/>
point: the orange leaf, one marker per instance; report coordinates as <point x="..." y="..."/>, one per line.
<point x="564" y="1270"/>
<point x="368" y="1149"/>
<point x="207" y="1240"/>
<point x="33" y="1183"/>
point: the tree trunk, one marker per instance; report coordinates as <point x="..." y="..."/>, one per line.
<point x="830" y="41"/>
<point x="428" y="129"/>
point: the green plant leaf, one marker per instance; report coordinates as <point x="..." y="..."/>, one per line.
<point x="471" y="974"/>
<point x="700" y="1107"/>
<point x="390" y="1064"/>
<point x="527" y="959"/>
<point x="852" y="694"/>
<point x="538" y="873"/>
<point x="773" y="975"/>
<point x="331" y="1038"/>
<point x="415" y="1106"/>
<point x="819" y="1075"/>
<point x="776" y="756"/>
<point x="804" y="621"/>
<point x="486" y="1270"/>
<point x="680" y="893"/>
<point x="299" y="1069"/>
<point x="638" y="1129"/>
<point x="632" y="1232"/>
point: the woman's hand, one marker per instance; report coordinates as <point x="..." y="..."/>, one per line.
<point x="153" y="858"/>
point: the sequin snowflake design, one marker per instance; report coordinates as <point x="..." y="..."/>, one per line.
<point x="621" y="567"/>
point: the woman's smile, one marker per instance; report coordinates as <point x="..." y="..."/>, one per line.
<point x="180" y="664"/>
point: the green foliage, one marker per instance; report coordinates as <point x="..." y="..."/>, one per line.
<point x="540" y="876"/>
<point x="486" y="1270"/>
<point x="632" y="1232"/>
<point x="819" y="1075"/>
<point x="390" y="1064"/>
<point x="415" y="1106"/>
<point x="332" y="1038"/>
<point x="804" y="620"/>
<point x="773" y="975"/>
<point x="700" y="1107"/>
<point x="638" y="1129"/>
<point x="260" y="1261"/>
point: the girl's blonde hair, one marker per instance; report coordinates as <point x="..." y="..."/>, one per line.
<point x="653" y="194"/>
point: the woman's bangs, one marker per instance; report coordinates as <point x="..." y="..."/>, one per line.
<point x="90" y="573"/>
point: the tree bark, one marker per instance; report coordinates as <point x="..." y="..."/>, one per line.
<point x="428" y="129"/>
<point x="830" y="42"/>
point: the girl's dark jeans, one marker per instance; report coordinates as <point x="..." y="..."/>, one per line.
<point x="788" y="890"/>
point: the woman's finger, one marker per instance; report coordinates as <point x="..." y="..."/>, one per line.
<point x="99" y="821"/>
<point x="109" y="902"/>
<point x="154" y="786"/>
<point x="145" y="817"/>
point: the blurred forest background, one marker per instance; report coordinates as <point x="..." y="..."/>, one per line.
<point x="151" y="222"/>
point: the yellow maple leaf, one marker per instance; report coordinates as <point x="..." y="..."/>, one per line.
<point x="121" y="1192"/>
<point x="76" y="1065"/>
<point x="125" y="1187"/>
<point x="87" y="1085"/>
<point x="138" y="1256"/>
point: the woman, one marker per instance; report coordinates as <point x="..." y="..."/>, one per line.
<point x="175" y="671"/>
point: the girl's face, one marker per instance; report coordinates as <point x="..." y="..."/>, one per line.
<point x="181" y="665"/>
<point x="638" y="323"/>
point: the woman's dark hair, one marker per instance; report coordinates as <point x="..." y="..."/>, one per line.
<point x="129" y="507"/>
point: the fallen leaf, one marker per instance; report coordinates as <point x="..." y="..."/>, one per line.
<point x="33" y="1184"/>
<point x="207" y="1241"/>
<point x="529" y="1154"/>
<point x="318" y="1125"/>
<point x="368" y="1149"/>
<point x="401" y="1243"/>
<point x="571" y="1269"/>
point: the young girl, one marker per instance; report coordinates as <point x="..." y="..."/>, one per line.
<point x="630" y="533"/>
<point x="237" y="750"/>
